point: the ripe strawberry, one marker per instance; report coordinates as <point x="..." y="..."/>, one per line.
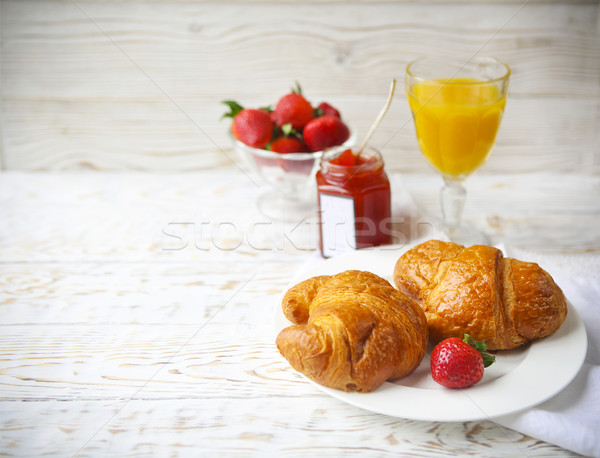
<point x="325" y="132"/>
<point x="286" y="145"/>
<point x="457" y="363"/>
<point x="293" y="109"/>
<point x="253" y="127"/>
<point x="325" y="109"/>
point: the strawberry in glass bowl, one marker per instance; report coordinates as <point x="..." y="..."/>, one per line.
<point x="283" y="146"/>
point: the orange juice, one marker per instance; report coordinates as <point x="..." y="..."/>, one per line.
<point x="456" y="122"/>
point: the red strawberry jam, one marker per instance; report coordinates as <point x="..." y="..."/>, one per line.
<point x="354" y="202"/>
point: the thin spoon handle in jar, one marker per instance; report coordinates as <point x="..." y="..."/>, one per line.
<point x="379" y="116"/>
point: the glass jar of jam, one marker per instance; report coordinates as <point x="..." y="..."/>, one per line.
<point x="354" y="202"/>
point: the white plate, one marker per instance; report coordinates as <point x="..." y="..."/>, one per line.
<point x="518" y="380"/>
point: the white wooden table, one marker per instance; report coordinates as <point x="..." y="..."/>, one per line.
<point x="136" y="317"/>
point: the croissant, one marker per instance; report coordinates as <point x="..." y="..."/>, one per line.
<point x="353" y="331"/>
<point x="500" y="301"/>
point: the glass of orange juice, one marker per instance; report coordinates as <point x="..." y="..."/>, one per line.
<point x="457" y="105"/>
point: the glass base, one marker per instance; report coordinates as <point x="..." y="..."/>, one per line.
<point x="467" y="235"/>
<point x="277" y="207"/>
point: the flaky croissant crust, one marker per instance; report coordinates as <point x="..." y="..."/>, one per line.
<point x="353" y="331"/>
<point x="501" y="301"/>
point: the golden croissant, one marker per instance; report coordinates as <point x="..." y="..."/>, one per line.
<point x="500" y="301"/>
<point x="353" y="331"/>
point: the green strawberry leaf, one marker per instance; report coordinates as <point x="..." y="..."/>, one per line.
<point x="234" y="108"/>
<point x="481" y="347"/>
<point x="476" y="344"/>
<point x="488" y="359"/>
<point x="287" y="129"/>
<point x="297" y="89"/>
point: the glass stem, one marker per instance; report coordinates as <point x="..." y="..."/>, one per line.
<point x="453" y="196"/>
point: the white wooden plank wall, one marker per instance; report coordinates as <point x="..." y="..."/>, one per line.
<point x="136" y="85"/>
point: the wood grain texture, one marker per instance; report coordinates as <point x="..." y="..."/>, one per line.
<point x="240" y="428"/>
<point x="137" y="218"/>
<point x="117" y="338"/>
<point x="137" y="85"/>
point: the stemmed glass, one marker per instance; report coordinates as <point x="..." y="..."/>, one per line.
<point x="457" y="105"/>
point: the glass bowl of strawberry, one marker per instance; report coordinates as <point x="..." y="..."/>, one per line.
<point x="282" y="147"/>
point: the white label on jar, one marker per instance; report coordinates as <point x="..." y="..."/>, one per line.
<point x="338" y="231"/>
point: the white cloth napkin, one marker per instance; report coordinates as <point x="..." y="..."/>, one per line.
<point x="571" y="419"/>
